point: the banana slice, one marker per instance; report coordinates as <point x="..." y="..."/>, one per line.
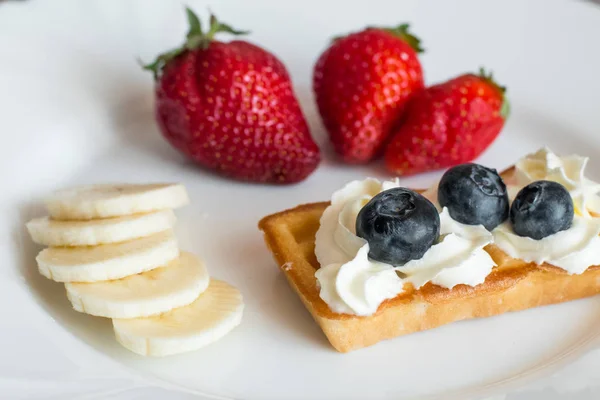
<point x="214" y="314"/>
<point x="152" y="292"/>
<point x="105" y="201"/>
<point x="108" y="261"/>
<point x="51" y="232"/>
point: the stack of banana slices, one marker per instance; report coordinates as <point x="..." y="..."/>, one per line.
<point x="114" y="248"/>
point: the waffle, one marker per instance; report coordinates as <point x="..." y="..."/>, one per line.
<point x="511" y="286"/>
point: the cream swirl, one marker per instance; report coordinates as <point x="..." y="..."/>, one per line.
<point x="352" y="283"/>
<point x="573" y="250"/>
<point x="567" y="170"/>
<point x="458" y="258"/>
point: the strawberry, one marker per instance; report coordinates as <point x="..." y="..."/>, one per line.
<point x="361" y="83"/>
<point x="448" y="124"/>
<point x="231" y="108"/>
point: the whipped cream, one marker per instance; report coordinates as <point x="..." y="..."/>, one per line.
<point x="573" y="250"/>
<point x="458" y="258"/>
<point x="352" y="283"/>
<point x="567" y="170"/>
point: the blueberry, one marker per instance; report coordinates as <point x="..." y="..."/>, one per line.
<point x="541" y="209"/>
<point x="474" y="195"/>
<point x="399" y="224"/>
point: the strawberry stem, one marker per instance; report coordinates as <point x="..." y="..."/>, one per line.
<point x="489" y="78"/>
<point x="402" y="31"/>
<point x="195" y="39"/>
<point x="194" y="23"/>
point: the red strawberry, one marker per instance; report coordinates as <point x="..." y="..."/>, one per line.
<point x="362" y="83"/>
<point x="231" y="108"/>
<point x="448" y="124"/>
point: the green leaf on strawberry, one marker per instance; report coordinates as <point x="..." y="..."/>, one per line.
<point x="195" y="39"/>
<point x="402" y="31"/>
<point x="489" y="77"/>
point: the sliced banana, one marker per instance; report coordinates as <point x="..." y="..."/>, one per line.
<point x="152" y="292"/>
<point x="108" y="261"/>
<point x="215" y="313"/>
<point x="51" y="232"/>
<point x="105" y="201"/>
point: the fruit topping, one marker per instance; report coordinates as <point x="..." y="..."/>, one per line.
<point x="541" y="209"/>
<point x="400" y="225"/>
<point x="474" y="195"/>
<point x="448" y="124"/>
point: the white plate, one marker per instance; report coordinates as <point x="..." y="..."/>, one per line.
<point x="76" y="108"/>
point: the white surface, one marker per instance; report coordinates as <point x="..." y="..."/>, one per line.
<point x="76" y="108"/>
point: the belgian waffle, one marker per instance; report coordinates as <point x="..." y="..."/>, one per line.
<point x="511" y="286"/>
